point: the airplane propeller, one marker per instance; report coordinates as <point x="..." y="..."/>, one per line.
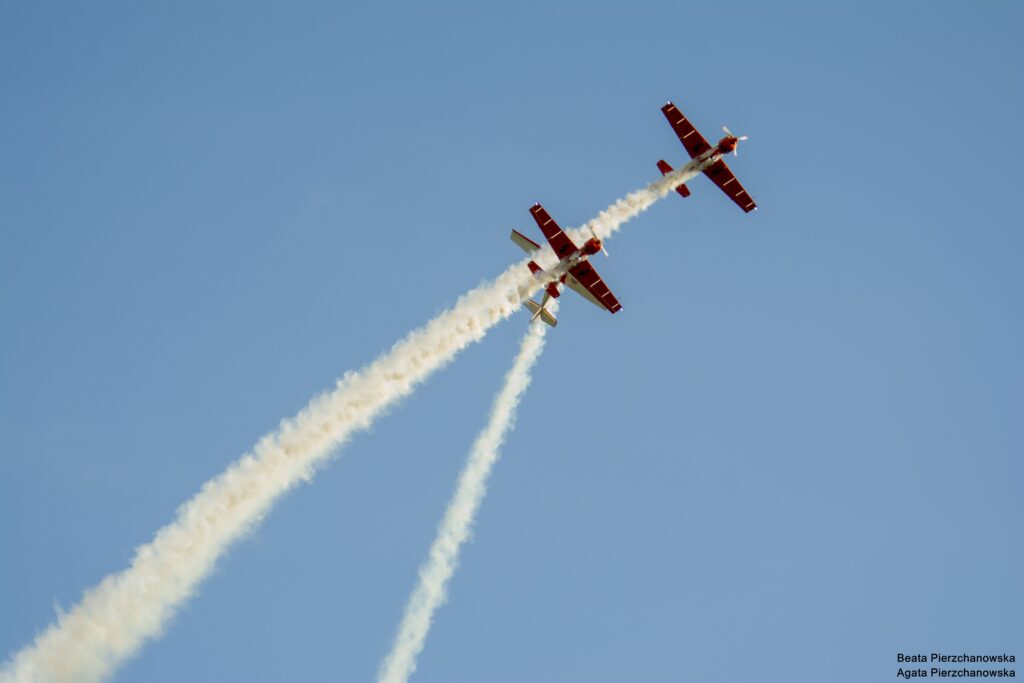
<point x="594" y="235"/>
<point x="735" y="150"/>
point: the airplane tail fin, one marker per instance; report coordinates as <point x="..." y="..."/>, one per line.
<point x="665" y="169"/>
<point x="539" y="311"/>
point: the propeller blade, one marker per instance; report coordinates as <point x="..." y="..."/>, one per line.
<point x="743" y="138"/>
<point x="727" y="131"/>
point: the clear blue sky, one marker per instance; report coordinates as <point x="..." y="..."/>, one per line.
<point x="795" y="453"/>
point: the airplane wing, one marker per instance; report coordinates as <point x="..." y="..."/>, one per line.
<point x="524" y="242"/>
<point x="558" y="240"/>
<point x="585" y="280"/>
<point x="692" y="140"/>
<point x="574" y="284"/>
<point x="721" y="175"/>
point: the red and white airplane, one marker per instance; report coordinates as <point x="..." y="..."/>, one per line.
<point x="579" y="274"/>
<point x="702" y="152"/>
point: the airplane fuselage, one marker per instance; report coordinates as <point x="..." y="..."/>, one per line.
<point x="589" y="248"/>
<point x="725" y="146"/>
<point x="702" y="160"/>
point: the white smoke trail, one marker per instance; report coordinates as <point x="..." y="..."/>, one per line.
<point x="126" y="609"/>
<point x="431" y="592"/>
<point x="608" y="222"/>
<point x="116" y="617"/>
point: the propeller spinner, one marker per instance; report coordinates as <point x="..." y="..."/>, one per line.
<point x="599" y="240"/>
<point x="735" y="150"/>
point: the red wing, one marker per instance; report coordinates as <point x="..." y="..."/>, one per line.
<point x="721" y="175"/>
<point x="559" y="241"/>
<point x="693" y="141"/>
<point x="591" y="282"/>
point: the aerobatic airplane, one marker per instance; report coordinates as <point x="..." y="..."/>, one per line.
<point x="579" y="276"/>
<point x="702" y="152"/>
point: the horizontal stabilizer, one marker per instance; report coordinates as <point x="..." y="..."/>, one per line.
<point x="543" y="313"/>
<point x="524" y="242"/>
<point x="665" y="169"/>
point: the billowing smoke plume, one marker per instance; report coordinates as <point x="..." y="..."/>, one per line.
<point x="115" y="618"/>
<point x="431" y="592"/>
